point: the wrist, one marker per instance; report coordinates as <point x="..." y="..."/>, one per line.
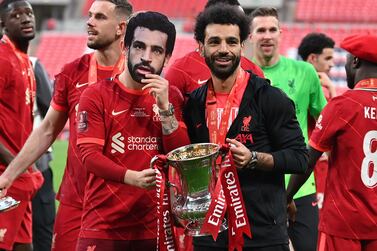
<point x="169" y="111"/>
<point x="129" y="177"/>
<point x="252" y="164"/>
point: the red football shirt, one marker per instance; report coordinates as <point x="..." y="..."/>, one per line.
<point x="191" y="71"/>
<point x="16" y="100"/>
<point x="347" y="128"/>
<point x="126" y="124"/>
<point x="69" y="84"/>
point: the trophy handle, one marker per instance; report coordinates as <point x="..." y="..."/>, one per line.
<point x="153" y="160"/>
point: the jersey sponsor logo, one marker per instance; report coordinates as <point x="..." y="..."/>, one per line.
<point x="79" y="85"/>
<point x="3" y="231"/>
<point x="374" y="98"/>
<point x="246" y="124"/>
<point x="114" y="113"/>
<point x="148" y="143"/>
<point x="245" y="138"/>
<point x="139" y="112"/>
<point x="200" y="82"/>
<point x="117" y="143"/>
<point x="82" y="125"/>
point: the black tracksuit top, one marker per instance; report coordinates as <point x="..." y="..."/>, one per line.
<point x="272" y="128"/>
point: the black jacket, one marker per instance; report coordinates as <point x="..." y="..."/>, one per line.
<point x="266" y="122"/>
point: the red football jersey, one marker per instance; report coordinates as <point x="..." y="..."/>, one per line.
<point x="126" y="124"/>
<point x="191" y="71"/>
<point x="69" y="84"/>
<point x="347" y="128"/>
<point x="16" y="101"/>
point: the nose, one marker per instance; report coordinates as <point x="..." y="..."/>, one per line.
<point x="223" y="47"/>
<point x="89" y="22"/>
<point x="147" y="56"/>
<point x="26" y="18"/>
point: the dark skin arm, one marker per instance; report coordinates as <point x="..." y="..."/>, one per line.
<point x="297" y="180"/>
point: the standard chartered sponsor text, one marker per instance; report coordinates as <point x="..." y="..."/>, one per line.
<point x="143" y="143"/>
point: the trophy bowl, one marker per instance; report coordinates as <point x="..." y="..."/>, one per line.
<point x="192" y="184"/>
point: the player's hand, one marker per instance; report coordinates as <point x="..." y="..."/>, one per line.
<point x="240" y="153"/>
<point x="292" y="210"/>
<point x="143" y="179"/>
<point x="4" y="184"/>
<point x="327" y="83"/>
<point x="158" y="88"/>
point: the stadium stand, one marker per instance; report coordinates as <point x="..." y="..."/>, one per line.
<point x="344" y="11"/>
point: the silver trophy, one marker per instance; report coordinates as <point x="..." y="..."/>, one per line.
<point x="192" y="183"/>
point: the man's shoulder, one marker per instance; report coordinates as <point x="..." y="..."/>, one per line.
<point x="78" y="65"/>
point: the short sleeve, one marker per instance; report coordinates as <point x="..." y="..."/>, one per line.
<point x="60" y="93"/>
<point x="90" y="119"/>
<point x="327" y="126"/>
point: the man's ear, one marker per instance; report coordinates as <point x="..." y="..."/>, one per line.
<point x="311" y="58"/>
<point x="356" y="62"/>
<point x="121" y="28"/>
<point x="167" y="58"/>
<point x="201" y="49"/>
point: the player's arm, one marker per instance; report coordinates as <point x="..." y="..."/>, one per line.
<point x="171" y="127"/>
<point x="37" y="144"/>
<point x="297" y="180"/>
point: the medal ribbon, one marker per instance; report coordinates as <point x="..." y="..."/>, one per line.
<point x="92" y="75"/>
<point x="165" y="231"/>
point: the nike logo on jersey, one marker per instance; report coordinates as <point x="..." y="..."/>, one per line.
<point x="200" y="82"/>
<point x="114" y="113"/>
<point x="79" y="85"/>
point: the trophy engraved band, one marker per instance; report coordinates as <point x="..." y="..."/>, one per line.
<point x="192" y="184"/>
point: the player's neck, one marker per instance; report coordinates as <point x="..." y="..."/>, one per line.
<point x="21" y="45"/>
<point x="224" y="86"/>
<point x="108" y="56"/>
<point x="126" y="79"/>
<point x="267" y="61"/>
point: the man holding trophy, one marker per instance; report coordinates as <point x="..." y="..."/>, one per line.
<point x="257" y="120"/>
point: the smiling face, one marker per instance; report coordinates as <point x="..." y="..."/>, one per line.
<point x="19" y="21"/>
<point x="147" y="53"/>
<point x="103" y="26"/>
<point x="265" y="37"/>
<point x="222" y="49"/>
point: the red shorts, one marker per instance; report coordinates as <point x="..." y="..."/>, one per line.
<point x="66" y="228"/>
<point x="87" y="244"/>
<point x="332" y="243"/>
<point x="15" y="224"/>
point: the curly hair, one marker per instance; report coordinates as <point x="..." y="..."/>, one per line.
<point x="221" y="14"/>
<point x="314" y="43"/>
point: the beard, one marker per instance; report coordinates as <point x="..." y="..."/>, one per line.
<point x="100" y="43"/>
<point x="135" y="75"/>
<point x="222" y="72"/>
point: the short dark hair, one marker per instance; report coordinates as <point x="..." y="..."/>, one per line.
<point x="230" y="2"/>
<point x="221" y="14"/>
<point x="314" y="43"/>
<point x="4" y="5"/>
<point x="264" y="12"/>
<point x="152" y="21"/>
<point x="122" y="7"/>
